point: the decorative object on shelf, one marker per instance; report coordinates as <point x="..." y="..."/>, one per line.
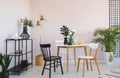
<point x="24" y="63"/>
<point x="13" y="36"/>
<point x="65" y="32"/>
<point x="39" y="21"/>
<point x="70" y="38"/>
<point x="26" y="23"/>
<point x="5" y="62"/>
<point x="25" y="34"/>
<point x="109" y="38"/>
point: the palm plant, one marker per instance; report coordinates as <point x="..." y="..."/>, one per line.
<point x="109" y="37"/>
<point x="5" y="62"/>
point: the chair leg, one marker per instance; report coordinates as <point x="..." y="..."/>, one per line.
<point x="50" y="70"/>
<point x="83" y="67"/>
<point x="43" y="68"/>
<point x="87" y="64"/>
<point x="91" y="65"/>
<point x="56" y="63"/>
<point x="61" y="66"/>
<point x="78" y="64"/>
<point x="54" y="67"/>
<point x="97" y="66"/>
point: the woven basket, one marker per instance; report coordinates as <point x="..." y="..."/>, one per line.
<point x="39" y="60"/>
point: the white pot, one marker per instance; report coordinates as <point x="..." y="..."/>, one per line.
<point x="109" y="57"/>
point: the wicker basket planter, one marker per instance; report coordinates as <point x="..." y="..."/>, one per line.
<point x="39" y="60"/>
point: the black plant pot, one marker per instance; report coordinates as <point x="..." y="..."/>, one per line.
<point x="25" y="34"/>
<point x="65" y="41"/>
<point x="4" y="74"/>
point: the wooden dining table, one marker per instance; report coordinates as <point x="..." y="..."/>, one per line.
<point x="67" y="47"/>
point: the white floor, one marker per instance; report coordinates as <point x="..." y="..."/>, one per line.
<point x="35" y="72"/>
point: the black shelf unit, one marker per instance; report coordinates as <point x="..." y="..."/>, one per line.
<point x="19" y="54"/>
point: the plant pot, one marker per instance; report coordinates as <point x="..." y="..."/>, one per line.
<point x="109" y="57"/>
<point x="4" y="74"/>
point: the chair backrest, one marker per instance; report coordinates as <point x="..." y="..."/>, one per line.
<point x="45" y="49"/>
<point x="93" y="46"/>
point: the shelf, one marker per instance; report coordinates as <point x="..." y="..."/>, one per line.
<point x="15" y="54"/>
<point x="18" y="68"/>
<point x="20" y="54"/>
<point x="18" y="39"/>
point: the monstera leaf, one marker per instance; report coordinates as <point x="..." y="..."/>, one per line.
<point x="64" y="31"/>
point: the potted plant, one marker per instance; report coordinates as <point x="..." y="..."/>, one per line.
<point x="5" y="62"/>
<point x="26" y="23"/>
<point x="108" y="37"/>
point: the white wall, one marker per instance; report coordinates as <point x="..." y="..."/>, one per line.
<point x="10" y="12"/>
<point x="82" y="15"/>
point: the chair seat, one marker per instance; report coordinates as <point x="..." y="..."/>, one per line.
<point x="53" y="58"/>
<point x="86" y="57"/>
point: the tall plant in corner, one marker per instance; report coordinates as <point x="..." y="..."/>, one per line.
<point x="108" y="37"/>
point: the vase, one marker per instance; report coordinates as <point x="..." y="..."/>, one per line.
<point x="25" y="34"/>
<point x="70" y="40"/>
<point x="70" y="43"/>
<point x="65" y="40"/>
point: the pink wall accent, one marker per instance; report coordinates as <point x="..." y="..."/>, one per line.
<point x="82" y="15"/>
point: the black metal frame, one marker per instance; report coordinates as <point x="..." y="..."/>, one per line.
<point x="19" y="56"/>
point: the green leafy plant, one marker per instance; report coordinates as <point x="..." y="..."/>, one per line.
<point x="27" y="22"/>
<point x="5" y="62"/>
<point x="109" y="37"/>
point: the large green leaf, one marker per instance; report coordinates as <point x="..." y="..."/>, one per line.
<point x="5" y="62"/>
<point x="108" y="37"/>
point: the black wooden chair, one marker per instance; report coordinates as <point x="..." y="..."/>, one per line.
<point x="50" y="61"/>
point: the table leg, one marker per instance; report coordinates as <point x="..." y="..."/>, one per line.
<point x="75" y="56"/>
<point x="86" y="55"/>
<point x="58" y="53"/>
<point x="67" y="59"/>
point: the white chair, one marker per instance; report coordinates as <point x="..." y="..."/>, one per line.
<point x="90" y="57"/>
